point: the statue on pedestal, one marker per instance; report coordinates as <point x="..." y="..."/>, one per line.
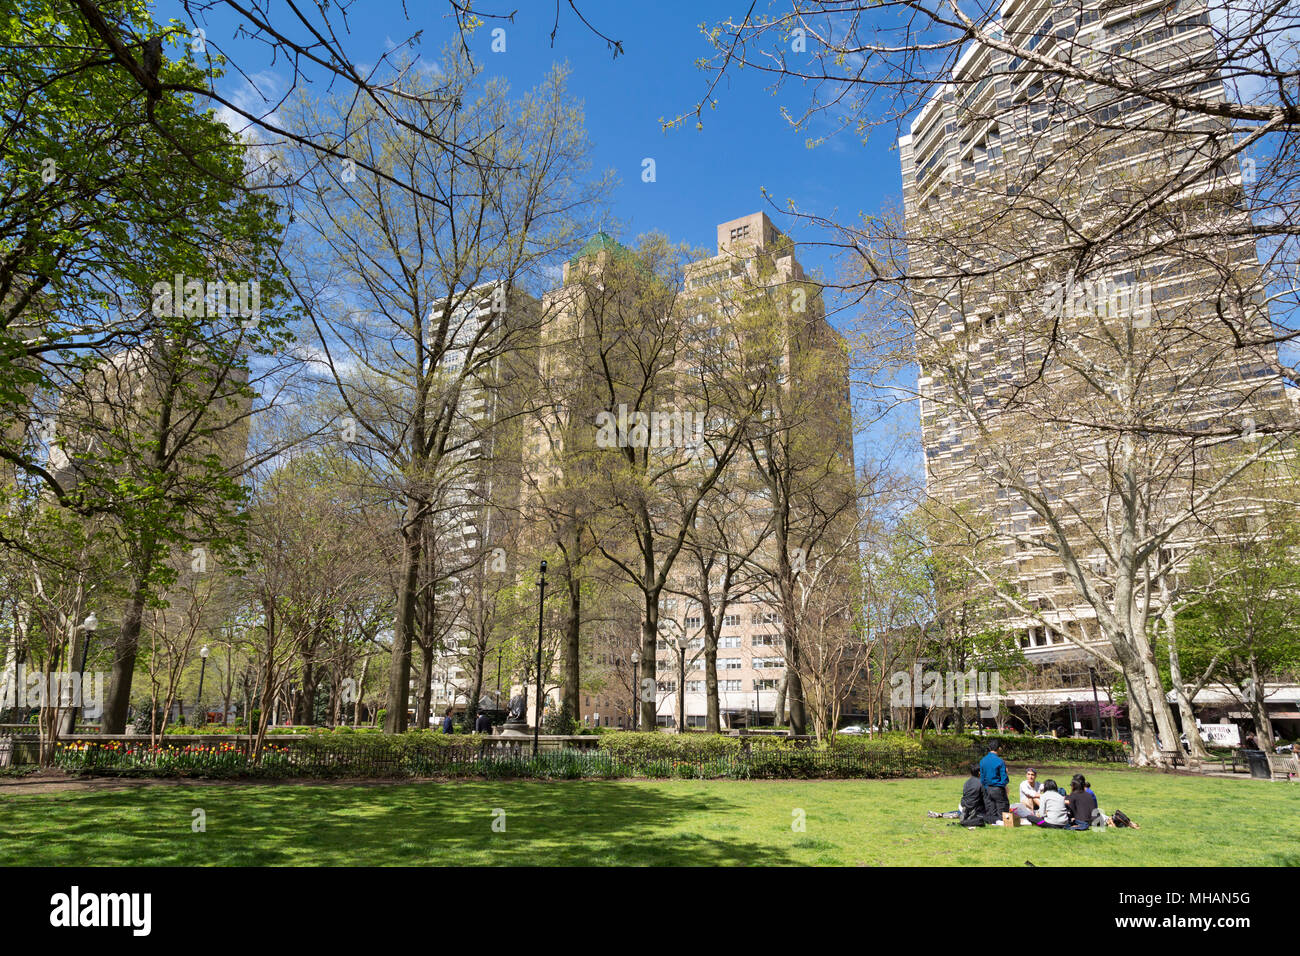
<point x="516" y="722"/>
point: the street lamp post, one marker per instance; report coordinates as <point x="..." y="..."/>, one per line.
<point x="541" y="602"/>
<point x="681" y="687"/>
<point x="1096" y="701"/>
<point x="87" y="627"/>
<point x="500" y="648"/>
<point x="636" y="691"/>
<point x="203" y="668"/>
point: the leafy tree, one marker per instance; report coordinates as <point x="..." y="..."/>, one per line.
<point x="1244" y="627"/>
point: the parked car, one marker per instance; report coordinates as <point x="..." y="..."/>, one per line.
<point x="853" y="730"/>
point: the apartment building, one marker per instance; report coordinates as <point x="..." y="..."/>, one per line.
<point x="753" y="259"/>
<point x="1004" y="166"/>
<point x="474" y="520"/>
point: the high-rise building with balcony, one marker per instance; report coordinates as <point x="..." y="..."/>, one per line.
<point x="1034" y="201"/>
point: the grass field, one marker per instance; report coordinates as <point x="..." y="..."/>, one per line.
<point x="1185" y="821"/>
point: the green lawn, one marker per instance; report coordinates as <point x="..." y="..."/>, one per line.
<point x="1185" y="821"/>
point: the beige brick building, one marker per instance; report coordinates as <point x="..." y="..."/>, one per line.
<point x="753" y="258"/>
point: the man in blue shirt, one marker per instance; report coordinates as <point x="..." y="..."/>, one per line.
<point x="994" y="780"/>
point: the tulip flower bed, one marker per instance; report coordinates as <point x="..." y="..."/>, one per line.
<point x="212" y="760"/>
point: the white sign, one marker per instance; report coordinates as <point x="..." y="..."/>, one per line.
<point x="1225" y="735"/>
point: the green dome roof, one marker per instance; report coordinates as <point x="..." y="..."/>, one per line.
<point x="597" y="243"/>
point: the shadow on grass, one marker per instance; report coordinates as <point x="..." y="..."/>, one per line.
<point x="546" y="823"/>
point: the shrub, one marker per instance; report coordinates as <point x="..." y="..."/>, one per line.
<point x="1070" y="749"/>
<point x="425" y="753"/>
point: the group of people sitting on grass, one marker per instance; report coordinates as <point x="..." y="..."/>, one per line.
<point x="984" y="800"/>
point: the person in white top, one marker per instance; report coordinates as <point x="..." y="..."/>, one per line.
<point x="1030" y="796"/>
<point x="1030" y="789"/>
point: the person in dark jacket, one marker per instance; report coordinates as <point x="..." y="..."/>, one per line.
<point x="994" y="779"/>
<point x="1081" y="804"/>
<point x="482" y="724"/>
<point x="447" y="722"/>
<point x="971" y="809"/>
<point x="972" y="799"/>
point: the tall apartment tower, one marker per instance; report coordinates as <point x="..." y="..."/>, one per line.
<point x="1002" y="131"/>
<point x="477" y="517"/>
<point x="753" y="258"/>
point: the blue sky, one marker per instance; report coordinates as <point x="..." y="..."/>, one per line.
<point x="703" y="177"/>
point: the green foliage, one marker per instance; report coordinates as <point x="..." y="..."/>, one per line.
<point x="1042" y="749"/>
<point x="1246" y="620"/>
<point x="560" y="721"/>
<point x="109" y="193"/>
<point x="424" y="753"/>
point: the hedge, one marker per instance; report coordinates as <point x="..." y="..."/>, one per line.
<point x="1021" y="749"/>
<point x="697" y="756"/>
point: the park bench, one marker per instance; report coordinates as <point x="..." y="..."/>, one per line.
<point x="1284" y="766"/>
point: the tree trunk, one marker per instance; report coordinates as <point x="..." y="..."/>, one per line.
<point x="399" y="671"/>
<point x="477" y="693"/>
<point x="794" y="695"/>
<point x="793" y="659"/>
<point x="646" y="693"/>
<point x="124" y="651"/>
<point x="712" y="720"/>
<point x="424" y="695"/>
<point x="572" y="646"/>
<point x="1258" y="705"/>
<point x="68" y="722"/>
<point x="1145" y="751"/>
<point x="1195" y="742"/>
<point x="305" y="709"/>
<point x="361" y="688"/>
